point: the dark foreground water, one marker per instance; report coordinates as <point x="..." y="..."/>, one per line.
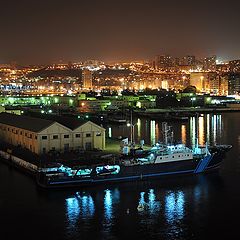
<point x="191" y="207"/>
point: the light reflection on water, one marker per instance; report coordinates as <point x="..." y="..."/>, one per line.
<point x="184" y="133"/>
<point x="169" y="208"/>
<point x="180" y="208"/>
<point x="154" y="205"/>
<point x="149" y="201"/>
<point x="153" y="132"/>
<point x="201" y="130"/>
<point x="78" y="207"/>
<point x="72" y="210"/>
<point x="193" y="131"/>
<point x="206" y="127"/>
<point x="174" y="206"/>
<point x="108" y="205"/>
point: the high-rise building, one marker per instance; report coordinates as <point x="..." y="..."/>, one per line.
<point x="205" y="82"/>
<point x="188" y="61"/>
<point x="223" y="67"/>
<point x="164" y="61"/>
<point x="223" y="84"/>
<point x="234" y="66"/>
<point x="209" y="63"/>
<point x="234" y="84"/>
<point x="87" y="79"/>
<point x="214" y="82"/>
<point x="199" y="80"/>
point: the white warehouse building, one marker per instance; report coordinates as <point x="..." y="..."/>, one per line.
<point x="42" y="135"/>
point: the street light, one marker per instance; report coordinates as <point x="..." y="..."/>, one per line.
<point x="132" y="132"/>
<point x="132" y="126"/>
<point x="193" y="99"/>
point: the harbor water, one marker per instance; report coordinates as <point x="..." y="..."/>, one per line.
<point x="180" y="207"/>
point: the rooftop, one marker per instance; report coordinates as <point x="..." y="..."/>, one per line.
<point x="36" y="124"/>
<point x="25" y="122"/>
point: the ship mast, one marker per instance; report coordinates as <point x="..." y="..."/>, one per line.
<point x="197" y="122"/>
<point x="167" y="133"/>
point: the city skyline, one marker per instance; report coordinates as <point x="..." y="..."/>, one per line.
<point x="43" y="32"/>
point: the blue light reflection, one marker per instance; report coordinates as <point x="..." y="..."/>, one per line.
<point x="79" y="207"/>
<point x="174" y="206"/>
<point x="108" y="204"/>
<point x="73" y="210"/>
<point x="151" y="204"/>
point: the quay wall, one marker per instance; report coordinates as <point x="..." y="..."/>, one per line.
<point x="18" y="162"/>
<point x="151" y="112"/>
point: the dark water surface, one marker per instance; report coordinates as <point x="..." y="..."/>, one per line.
<point x="189" y="207"/>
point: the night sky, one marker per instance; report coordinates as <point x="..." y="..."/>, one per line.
<point x="74" y="30"/>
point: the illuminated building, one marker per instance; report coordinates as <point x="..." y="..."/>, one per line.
<point x="234" y="84"/>
<point x="234" y="66"/>
<point x="223" y="84"/>
<point x="199" y="80"/>
<point x="42" y="135"/>
<point x="165" y="84"/>
<point x="92" y="105"/>
<point x="206" y="82"/>
<point x="209" y="63"/>
<point x="164" y="61"/>
<point x="223" y="68"/>
<point x="188" y="61"/>
<point x="87" y="79"/>
<point x="214" y="83"/>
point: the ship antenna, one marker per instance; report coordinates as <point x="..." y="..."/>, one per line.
<point x="197" y="122"/>
<point x="172" y="137"/>
<point x="165" y="131"/>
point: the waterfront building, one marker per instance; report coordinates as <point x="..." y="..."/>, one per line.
<point x="12" y="110"/>
<point x="67" y="101"/>
<point x="94" y="105"/>
<point x="43" y="135"/>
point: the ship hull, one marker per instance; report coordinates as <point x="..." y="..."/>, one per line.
<point x="135" y="173"/>
<point x="141" y="172"/>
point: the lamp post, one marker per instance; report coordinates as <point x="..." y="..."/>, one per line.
<point x="132" y="126"/>
<point x="193" y="99"/>
<point x="132" y="129"/>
